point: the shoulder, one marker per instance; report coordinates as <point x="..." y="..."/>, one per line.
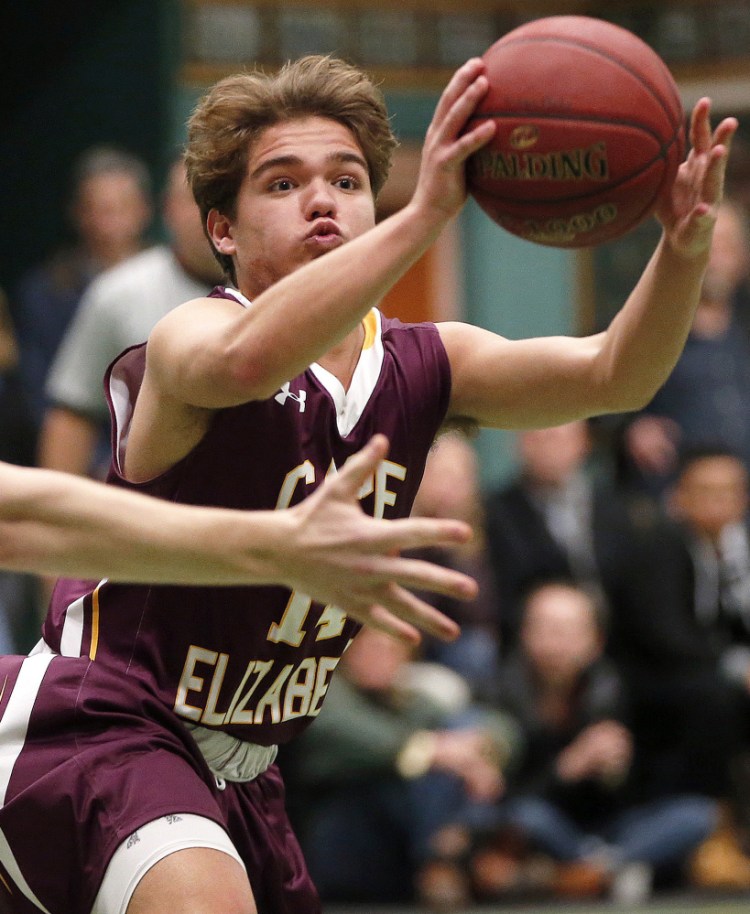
<point x="191" y="321"/>
<point x="423" y="337"/>
<point x="462" y="341"/>
<point x="392" y="326"/>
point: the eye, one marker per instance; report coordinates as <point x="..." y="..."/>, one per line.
<point x="348" y="182"/>
<point x="281" y="184"/>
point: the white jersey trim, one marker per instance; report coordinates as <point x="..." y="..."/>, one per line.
<point x="13" y="729"/>
<point x="9" y="862"/>
<point x="351" y="403"/>
<point x="71" y="637"/>
<point x="15" y="722"/>
<point x="236" y="294"/>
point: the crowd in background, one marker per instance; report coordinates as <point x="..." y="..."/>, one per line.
<point x="588" y="735"/>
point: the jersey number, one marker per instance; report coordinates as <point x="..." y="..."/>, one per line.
<point x="290" y="630"/>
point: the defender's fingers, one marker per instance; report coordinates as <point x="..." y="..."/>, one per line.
<point x="419" y="532"/>
<point x="417" y="574"/>
<point x="379" y="618"/>
<point x="360" y="466"/>
<point x="410" y="609"/>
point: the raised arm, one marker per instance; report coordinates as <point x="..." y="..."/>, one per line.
<point x="221" y="357"/>
<point x="551" y="380"/>
<point x="55" y="523"/>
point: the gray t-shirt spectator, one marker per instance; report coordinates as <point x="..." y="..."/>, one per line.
<point x="118" y="310"/>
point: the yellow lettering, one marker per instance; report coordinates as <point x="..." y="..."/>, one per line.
<point x="383" y="495"/>
<point x="563" y="165"/>
<point x="240" y="715"/>
<point x="331" y="622"/>
<point x="210" y="716"/>
<point x="304" y="471"/>
<point x="189" y="682"/>
<point x="299" y="690"/>
<point x="289" y="629"/>
<point x="326" y="666"/>
<point x="272" y="698"/>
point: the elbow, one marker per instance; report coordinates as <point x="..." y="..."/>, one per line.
<point x="251" y="377"/>
<point x="624" y="398"/>
<point x="634" y="402"/>
<point x="15" y="554"/>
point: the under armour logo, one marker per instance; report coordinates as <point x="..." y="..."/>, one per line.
<point x="285" y="394"/>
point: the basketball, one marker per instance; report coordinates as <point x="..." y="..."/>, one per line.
<point x="590" y="131"/>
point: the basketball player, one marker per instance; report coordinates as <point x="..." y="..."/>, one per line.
<point x="137" y="769"/>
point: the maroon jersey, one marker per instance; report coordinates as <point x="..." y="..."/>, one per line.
<point x="256" y="661"/>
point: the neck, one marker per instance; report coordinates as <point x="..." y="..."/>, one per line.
<point x="202" y="270"/>
<point x="342" y="359"/>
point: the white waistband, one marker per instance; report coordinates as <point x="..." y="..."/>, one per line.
<point x="231" y="758"/>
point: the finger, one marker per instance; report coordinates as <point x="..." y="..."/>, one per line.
<point x="454" y="125"/>
<point x="360" y="466"/>
<point x="725" y="131"/>
<point x="473" y="140"/>
<point x="461" y="79"/>
<point x="713" y="181"/>
<point x="700" y="126"/>
<point x="379" y="618"/>
<point x="410" y="609"/>
<point x="417" y="574"/>
<point x="420" y="532"/>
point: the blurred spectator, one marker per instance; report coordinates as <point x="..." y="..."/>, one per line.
<point x="570" y="796"/>
<point x="16" y="446"/>
<point x="378" y="784"/>
<point x="119" y="310"/>
<point x="556" y="519"/>
<point x="684" y="640"/>
<point x="16" y="429"/>
<point x="450" y="488"/>
<point x="109" y="212"/>
<point x="707" y="397"/>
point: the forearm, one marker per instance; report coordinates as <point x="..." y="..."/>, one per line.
<point x="52" y="523"/>
<point x="305" y="314"/>
<point x="645" y="339"/>
<point x="67" y="441"/>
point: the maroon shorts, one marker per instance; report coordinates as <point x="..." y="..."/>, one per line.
<point x="88" y="756"/>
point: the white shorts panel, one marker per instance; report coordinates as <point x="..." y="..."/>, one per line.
<point x="146" y="847"/>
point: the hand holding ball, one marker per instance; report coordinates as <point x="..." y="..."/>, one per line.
<point x="590" y="132"/>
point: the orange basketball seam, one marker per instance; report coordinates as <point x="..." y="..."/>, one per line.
<point x="578" y="43"/>
<point x="585" y="119"/>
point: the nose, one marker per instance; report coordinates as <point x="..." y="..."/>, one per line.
<point x="320" y="201"/>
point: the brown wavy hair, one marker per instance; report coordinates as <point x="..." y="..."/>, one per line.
<point x="231" y="116"/>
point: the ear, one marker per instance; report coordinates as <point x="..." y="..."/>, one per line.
<point x="220" y="230"/>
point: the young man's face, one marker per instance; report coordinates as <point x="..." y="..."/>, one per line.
<point x="712" y="493"/>
<point x="306" y="192"/>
